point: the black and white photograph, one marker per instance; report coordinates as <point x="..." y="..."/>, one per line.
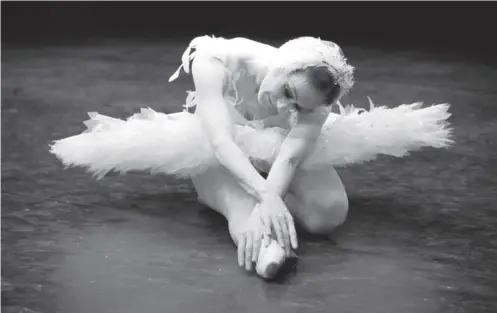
<point x="249" y="156"/>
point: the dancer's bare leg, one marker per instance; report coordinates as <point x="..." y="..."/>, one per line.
<point x="317" y="200"/>
<point x="218" y="189"/>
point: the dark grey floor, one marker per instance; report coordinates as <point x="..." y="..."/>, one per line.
<point x="420" y="238"/>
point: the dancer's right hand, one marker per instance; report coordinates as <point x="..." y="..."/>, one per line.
<point x="275" y="216"/>
<point x="250" y="240"/>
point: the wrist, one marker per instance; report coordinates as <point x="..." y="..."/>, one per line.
<point x="266" y="193"/>
<point x="263" y="194"/>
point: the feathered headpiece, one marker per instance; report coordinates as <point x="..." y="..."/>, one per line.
<point x="299" y="53"/>
<point x="305" y="52"/>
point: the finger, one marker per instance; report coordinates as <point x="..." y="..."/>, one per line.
<point x="286" y="237"/>
<point x="292" y="231"/>
<point x="248" y="251"/>
<point x="266" y="222"/>
<point x="267" y="239"/>
<point x="256" y="247"/>
<point x="241" y="250"/>
<point x="278" y="231"/>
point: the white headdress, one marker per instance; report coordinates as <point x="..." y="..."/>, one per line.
<point x="295" y="54"/>
<point x="304" y="52"/>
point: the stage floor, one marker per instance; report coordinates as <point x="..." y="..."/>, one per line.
<point x="420" y="237"/>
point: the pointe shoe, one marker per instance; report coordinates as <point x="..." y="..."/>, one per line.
<point x="270" y="261"/>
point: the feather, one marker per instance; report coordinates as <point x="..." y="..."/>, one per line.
<point x="175" y="144"/>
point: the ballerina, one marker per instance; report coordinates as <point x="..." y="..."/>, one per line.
<point x="262" y="143"/>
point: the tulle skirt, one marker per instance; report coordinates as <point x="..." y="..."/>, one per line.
<point x="176" y="144"/>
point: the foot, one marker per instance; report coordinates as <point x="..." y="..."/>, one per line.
<point x="270" y="261"/>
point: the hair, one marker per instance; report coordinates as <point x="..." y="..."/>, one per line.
<point x="324" y="81"/>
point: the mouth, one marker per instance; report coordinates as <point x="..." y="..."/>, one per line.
<point x="270" y="100"/>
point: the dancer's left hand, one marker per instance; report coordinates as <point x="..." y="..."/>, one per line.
<point x="250" y="240"/>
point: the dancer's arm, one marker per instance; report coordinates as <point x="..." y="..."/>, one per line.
<point x="280" y="120"/>
<point x="297" y="145"/>
<point x="209" y="76"/>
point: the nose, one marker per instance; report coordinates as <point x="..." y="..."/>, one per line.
<point x="264" y="97"/>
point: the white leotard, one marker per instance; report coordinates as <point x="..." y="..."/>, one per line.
<point x="246" y="63"/>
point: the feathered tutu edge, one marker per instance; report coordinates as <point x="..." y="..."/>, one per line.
<point x="175" y="144"/>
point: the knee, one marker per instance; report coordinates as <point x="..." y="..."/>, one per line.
<point x="322" y="219"/>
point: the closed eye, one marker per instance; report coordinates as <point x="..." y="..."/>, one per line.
<point x="300" y="109"/>
<point x="287" y="92"/>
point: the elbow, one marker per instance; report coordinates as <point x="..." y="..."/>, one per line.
<point x="295" y="161"/>
<point x="292" y="161"/>
<point x="221" y="147"/>
<point x="295" y="155"/>
<point x="294" y="151"/>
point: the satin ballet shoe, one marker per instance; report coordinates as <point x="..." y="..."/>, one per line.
<point x="270" y="261"/>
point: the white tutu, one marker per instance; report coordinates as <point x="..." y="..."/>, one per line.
<point x="175" y="144"/>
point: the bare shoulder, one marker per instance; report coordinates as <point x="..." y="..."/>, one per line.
<point x="248" y="43"/>
<point x="209" y="74"/>
<point x="215" y="58"/>
<point x="232" y="52"/>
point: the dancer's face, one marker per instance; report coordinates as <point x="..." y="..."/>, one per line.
<point x="283" y="90"/>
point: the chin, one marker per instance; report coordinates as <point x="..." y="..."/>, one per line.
<point x="283" y="110"/>
<point x="261" y="98"/>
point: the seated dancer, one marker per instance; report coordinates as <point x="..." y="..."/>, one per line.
<point x="262" y="144"/>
